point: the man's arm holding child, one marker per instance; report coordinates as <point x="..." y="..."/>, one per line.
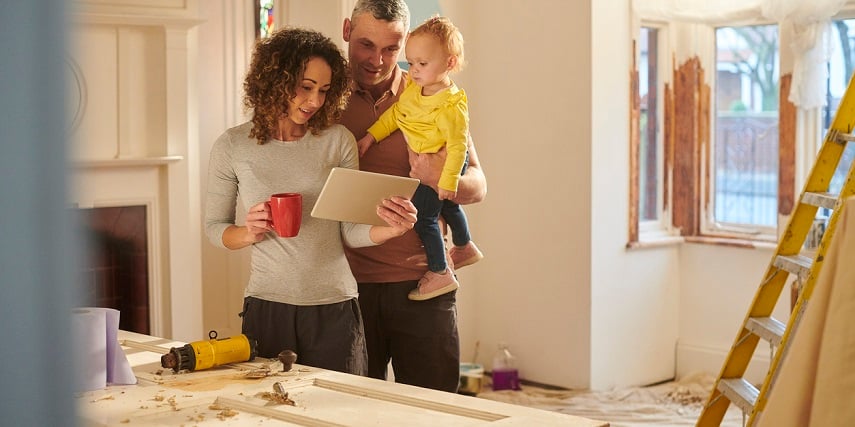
<point x="472" y="187"/>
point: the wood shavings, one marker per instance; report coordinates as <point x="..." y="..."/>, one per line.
<point x="278" y="395"/>
<point x="684" y="396"/>
<point x="173" y="403"/>
<point x="281" y="399"/>
<point x="104" y="397"/>
<point x="226" y="413"/>
<point x="198" y="418"/>
<point x="262" y="372"/>
<point x="125" y="421"/>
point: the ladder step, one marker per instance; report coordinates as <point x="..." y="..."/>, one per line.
<point x="768" y="328"/>
<point x="795" y="264"/>
<point x="740" y="392"/>
<point x="842" y="138"/>
<point x="823" y="200"/>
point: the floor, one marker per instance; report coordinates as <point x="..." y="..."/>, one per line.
<point x="675" y="403"/>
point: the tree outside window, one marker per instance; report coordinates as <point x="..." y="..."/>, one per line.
<point x="840" y="68"/>
<point x="745" y="163"/>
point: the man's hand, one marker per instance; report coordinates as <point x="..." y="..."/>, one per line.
<point x="472" y="187"/>
<point x="427" y="167"/>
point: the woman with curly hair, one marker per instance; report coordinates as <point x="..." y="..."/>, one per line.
<point x="301" y="294"/>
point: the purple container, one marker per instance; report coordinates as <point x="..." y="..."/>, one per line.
<point x="506" y="379"/>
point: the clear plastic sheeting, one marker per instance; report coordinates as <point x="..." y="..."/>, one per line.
<point x="808" y="21"/>
<point x="719" y="12"/>
<point x="811" y="45"/>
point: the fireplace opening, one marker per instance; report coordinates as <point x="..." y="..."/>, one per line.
<point x="115" y="268"/>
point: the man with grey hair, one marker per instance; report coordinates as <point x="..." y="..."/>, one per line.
<point x="419" y="337"/>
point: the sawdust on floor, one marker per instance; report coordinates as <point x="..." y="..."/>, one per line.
<point x="676" y="403"/>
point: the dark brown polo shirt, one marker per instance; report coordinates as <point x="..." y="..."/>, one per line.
<point x="402" y="258"/>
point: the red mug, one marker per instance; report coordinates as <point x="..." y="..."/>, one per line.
<point x="286" y="210"/>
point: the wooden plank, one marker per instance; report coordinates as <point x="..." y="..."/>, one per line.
<point x="409" y="401"/>
<point x="703" y="136"/>
<point x="668" y="140"/>
<point x="687" y="130"/>
<point x="225" y="396"/>
<point x="786" y="148"/>
<point x="276" y="414"/>
<point x="634" y="143"/>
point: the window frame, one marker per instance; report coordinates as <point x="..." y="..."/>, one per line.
<point x="662" y="224"/>
<point x="804" y="134"/>
<point x="661" y="228"/>
<point x="708" y="225"/>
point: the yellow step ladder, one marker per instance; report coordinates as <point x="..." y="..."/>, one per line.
<point x="730" y="386"/>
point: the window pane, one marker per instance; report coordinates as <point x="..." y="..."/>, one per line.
<point x="648" y="173"/>
<point x="746" y="126"/>
<point x="265" y="18"/>
<point x="840" y="67"/>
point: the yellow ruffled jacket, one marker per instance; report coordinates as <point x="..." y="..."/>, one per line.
<point x="428" y="124"/>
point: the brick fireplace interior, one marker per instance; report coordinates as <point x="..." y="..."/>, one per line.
<point x="115" y="270"/>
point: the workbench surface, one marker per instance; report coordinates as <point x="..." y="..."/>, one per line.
<point x="229" y="395"/>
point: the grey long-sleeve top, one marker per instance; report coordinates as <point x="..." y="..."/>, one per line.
<point x="308" y="269"/>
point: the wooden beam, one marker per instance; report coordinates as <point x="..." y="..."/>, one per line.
<point x="786" y="148"/>
<point x="691" y="131"/>
<point x="634" y="142"/>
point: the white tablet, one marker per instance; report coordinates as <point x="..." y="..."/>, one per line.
<point x="351" y="195"/>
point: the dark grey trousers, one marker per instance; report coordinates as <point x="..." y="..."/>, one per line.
<point x="419" y="337"/>
<point x="326" y="336"/>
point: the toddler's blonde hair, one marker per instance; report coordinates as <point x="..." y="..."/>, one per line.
<point x="447" y="34"/>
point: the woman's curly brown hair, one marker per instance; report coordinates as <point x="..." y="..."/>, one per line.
<point x="277" y="67"/>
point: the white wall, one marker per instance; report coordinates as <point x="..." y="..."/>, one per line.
<point x="551" y="126"/>
<point x="226" y="39"/>
<point x="717" y="287"/>
<point x="528" y="66"/>
<point x="548" y="88"/>
<point x="634" y="293"/>
<point x="326" y="16"/>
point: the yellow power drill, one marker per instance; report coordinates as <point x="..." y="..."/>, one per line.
<point x="200" y="355"/>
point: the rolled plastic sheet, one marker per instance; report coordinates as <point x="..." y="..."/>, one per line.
<point x="98" y="355"/>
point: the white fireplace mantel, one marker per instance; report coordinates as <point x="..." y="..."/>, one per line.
<point x="134" y="134"/>
<point x="126" y="162"/>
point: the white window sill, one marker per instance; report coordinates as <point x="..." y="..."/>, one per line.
<point x="733" y="242"/>
<point x="656" y="242"/>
